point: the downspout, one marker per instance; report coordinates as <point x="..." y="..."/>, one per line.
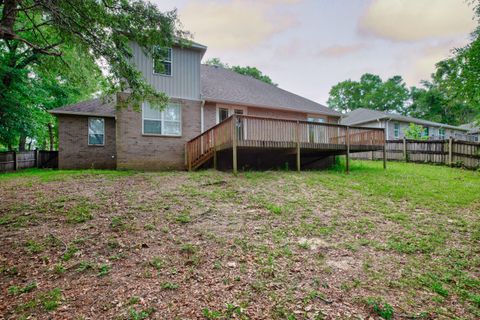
<point x="202" y="117"/>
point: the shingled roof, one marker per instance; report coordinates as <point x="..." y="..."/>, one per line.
<point x="362" y="115"/>
<point x="223" y="85"/>
<point x="101" y="107"/>
<point x="219" y="85"/>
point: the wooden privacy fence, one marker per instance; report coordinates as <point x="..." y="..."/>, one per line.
<point x="449" y="152"/>
<point x="12" y="160"/>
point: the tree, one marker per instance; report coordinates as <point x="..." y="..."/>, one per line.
<point x="247" y="71"/>
<point x="415" y="132"/>
<point x="371" y="93"/>
<point x="31" y="30"/>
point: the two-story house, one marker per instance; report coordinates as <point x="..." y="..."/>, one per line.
<point x="203" y="101"/>
<point x="395" y="125"/>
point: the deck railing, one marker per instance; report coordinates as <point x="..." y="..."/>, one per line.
<point x="252" y="131"/>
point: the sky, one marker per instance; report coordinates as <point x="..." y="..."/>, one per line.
<point x="307" y="46"/>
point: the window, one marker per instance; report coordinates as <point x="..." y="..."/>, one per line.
<point x="238" y="111"/>
<point x="96" y="131"/>
<point x="426" y="132"/>
<point x="441" y="133"/>
<point x="396" y="130"/>
<point x="222" y="114"/>
<point x="166" y="122"/>
<point x="162" y="62"/>
<point x="320" y="120"/>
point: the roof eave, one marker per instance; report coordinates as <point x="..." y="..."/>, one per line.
<point x="73" y="113"/>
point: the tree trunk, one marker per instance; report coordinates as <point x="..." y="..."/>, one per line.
<point x="50" y="135"/>
<point x="22" y="142"/>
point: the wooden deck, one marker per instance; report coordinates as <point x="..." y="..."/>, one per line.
<point x="242" y="132"/>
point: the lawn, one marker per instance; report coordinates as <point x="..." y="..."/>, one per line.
<point x="401" y="243"/>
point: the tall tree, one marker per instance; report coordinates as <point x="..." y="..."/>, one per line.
<point x="253" y="72"/>
<point x="370" y="92"/>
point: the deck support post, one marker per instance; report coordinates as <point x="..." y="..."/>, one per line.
<point x="234" y="143"/>
<point x="188" y="157"/>
<point x="450" y="151"/>
<point x="298" y="147"/>
<point x="405" y="156"/>
<point x="347" y="155"/>
<point x="215" y="157"/>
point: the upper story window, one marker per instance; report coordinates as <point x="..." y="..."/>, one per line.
<point x="441" y="133"/>
<point x="166" y="123"/>
<point x="162" y="62"/>
<point x="396" y="130"/>
<point x="96" y="131"/>
<point x="314" y="119"/>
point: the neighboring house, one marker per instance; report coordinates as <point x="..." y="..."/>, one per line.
<point x="473" y="133"/>
<point x="98" y="134"/>
<point x="395" y="125"/>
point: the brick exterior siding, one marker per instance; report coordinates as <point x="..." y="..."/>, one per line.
<point x="138" y="151"/>
<point x="74" y="151"/>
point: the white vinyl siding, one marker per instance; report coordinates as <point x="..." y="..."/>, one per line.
<point x="96" y="131"/>
<point x="163" y="123"/>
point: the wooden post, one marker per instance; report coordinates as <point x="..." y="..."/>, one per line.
<point x="405" y="156"/>
<point x="234" y="143"/>
<point x="298" y="147"/>
<point x="15" y="161"/>
<point x="347" y="156"/>
<point x="384" y="150"/>
<point x="37" y="158"/>
<point x="215" y="157"/>
<point x="450" y="151"/>
<point x="189" y="158"/>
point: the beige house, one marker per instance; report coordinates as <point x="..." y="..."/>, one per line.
<point x="212" y="112"/>
<point x="395" y="125"/>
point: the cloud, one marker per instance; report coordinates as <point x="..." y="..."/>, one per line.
<point x="235" y="24"/>
<point x="422" y="63"/>
<point x="410" y="20"/>
<point x="341" y="50"/>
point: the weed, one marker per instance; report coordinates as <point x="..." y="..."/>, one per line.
<point x="103" y="270"/>
<point x="183" y="218"/>
<point x="16" y="290"/>
<point x="71" y="250"/>
<point x="157" y="263"/>
<point x="84" y="266"/>
<point x="189" y="248"/>
<point x="169" y="286"/>
<point x="140" y="315"/>
<point x="59" y="268"/>
<point x="51" y="300"/>
<point x="80" y="213"/>
<point x="383" y="310"/>
<point x="34" y="247"/>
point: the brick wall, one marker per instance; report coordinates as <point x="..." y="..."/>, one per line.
<point x="138" y="151"/>
<point x="74" y="151"/>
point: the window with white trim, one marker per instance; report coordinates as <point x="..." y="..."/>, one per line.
<point x="162" y="62"/>
<point x="223" y="113"/>
<point x="396" y="130"/>
<point x="96" y="131"/>
<point x="426" y="132"/>
<point x="441" y="133"/>
<point x="167" y="122"/>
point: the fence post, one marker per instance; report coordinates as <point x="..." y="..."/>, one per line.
<point x="384" y="149"/>
<point x="450" y="151"/>
<point x="405" y="155"/>
<point x="37" y="158"/>
<point x="347" y="156"/>
<point x="15" y="161"/>
<point x="234" y="143"/>
<point x="298" y="147"/>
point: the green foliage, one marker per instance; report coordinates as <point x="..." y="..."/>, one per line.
<point x="247" y="71"/>
<point x="371" y="92"/>
<point x="383" y="310"/>
<point x="169" y="286"/>
<point x="103" y="270"/>
<point x="415" y="132"/>
<point x="15" y="290"/>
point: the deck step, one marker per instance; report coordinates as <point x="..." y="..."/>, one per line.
<point x="202" y="159"/>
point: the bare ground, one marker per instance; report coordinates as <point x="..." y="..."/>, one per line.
<point x="273" y="245"/>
